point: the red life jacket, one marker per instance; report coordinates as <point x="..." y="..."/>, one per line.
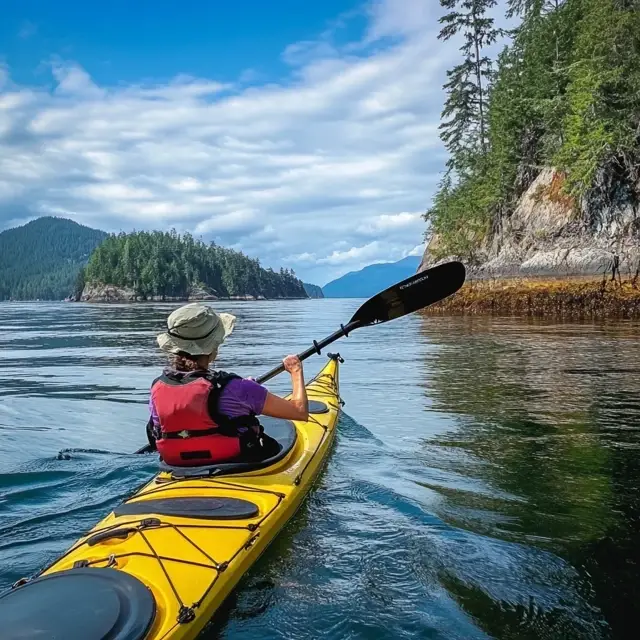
<point x="192" y="431"/>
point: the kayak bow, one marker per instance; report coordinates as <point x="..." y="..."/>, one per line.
<point x="162" y="562"/>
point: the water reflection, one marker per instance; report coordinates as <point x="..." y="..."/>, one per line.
<point x="547" y="423"/>
<point x="485" y="482"/>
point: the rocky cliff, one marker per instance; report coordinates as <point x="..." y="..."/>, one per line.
<point x="313" y="290"/>
<point x="548" y="234"/>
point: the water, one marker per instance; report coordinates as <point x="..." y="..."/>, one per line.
<point x="485" y="481"/>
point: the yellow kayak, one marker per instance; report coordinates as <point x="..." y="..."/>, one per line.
<point x="163" y="561"/>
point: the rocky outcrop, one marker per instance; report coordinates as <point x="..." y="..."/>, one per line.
<point x="548" y="234"/>
<point x="108" y="293"/>
<point x="96" y="292"/>
<point x="200" y="293"/>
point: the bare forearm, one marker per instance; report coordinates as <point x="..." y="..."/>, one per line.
<point x="299" y="394"/>
<point x="295" y="407"/>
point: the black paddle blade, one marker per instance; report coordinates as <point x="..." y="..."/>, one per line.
<point x="416" y="292"/>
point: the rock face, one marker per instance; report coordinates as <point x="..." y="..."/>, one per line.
<point x="548" y="235"/>
<point x="97" y="292"/>
<point x="201" y="293"/>
<point x="107" y="293"/>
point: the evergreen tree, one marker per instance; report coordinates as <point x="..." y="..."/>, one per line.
<point x="602" y="123"/>
<point x="464" y="129"/>
<point x="161" y="265"/>
<point x="79" y="285"/>
<point x="565" y="94"/>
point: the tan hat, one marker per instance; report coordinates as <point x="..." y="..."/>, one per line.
<point x="196" y="329"/>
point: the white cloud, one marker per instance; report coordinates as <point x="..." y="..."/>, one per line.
<point x="325" y="172"/>
<point x="392" y="18"/>
<point x="418" y="250"/>
<point x="392" y="222"/>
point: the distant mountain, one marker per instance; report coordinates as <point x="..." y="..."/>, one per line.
<point x="372" y="279"/>
<point x="42" y="259"/>
<point x="313" y="290"/>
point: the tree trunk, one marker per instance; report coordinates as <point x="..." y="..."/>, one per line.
<point x="479" y="80"/>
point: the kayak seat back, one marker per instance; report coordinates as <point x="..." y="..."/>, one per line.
<point x="283" y="431"/>
<point x="196" y="508"/>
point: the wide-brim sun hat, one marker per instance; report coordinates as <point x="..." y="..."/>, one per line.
<point x="196" y="329"/>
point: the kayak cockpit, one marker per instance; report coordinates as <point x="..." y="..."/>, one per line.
<point x="283" y="431"/>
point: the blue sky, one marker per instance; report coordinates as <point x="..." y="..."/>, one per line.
<point x="124" y="41"/>
<point x="304" y="133"/>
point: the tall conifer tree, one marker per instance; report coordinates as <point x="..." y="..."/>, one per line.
<point x="465" y="130"/>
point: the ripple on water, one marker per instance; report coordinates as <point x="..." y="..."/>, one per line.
<point x="484" y="484"/>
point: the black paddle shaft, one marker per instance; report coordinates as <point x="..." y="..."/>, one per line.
<point x="416" y="292"/>
<point x="316" y="348"/>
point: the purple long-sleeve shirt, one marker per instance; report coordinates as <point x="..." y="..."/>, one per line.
<point x="239" y="398"/>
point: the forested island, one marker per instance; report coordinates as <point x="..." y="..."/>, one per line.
<point x="313" y="290"/>
<point x="164" y="266"/>
<point x="543" y="177"/>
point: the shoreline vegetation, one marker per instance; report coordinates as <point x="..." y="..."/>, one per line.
<point x="541" y="196"/>
<point x="568" y="298"/>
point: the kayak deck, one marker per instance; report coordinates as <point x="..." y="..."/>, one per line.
<point x="190" y="539"/>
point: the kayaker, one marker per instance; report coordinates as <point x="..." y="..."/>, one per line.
<point x="201" y="416"/>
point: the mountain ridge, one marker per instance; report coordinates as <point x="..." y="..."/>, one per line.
<point x="41" y="259"/>
<point x="48" y="258"/>
<point x="371" y="279"/>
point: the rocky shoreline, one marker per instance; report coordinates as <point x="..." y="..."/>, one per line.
<point x="554" y="256"/>
<point x="550" y="235"/>
<point x="110" y="294"/>
<point x="571" y="298"/>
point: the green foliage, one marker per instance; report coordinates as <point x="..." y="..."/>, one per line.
<point x="566" y="93"/>
<point x="464" y="126"/>
<point x="159" y="265"/>
<point x="41" y="259"/>
<point x="459" y="217"/>
<point x="79" y="284"/>
<point x="603" y="114"/>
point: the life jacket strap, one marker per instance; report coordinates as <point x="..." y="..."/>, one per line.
<point x="185" y="433"/>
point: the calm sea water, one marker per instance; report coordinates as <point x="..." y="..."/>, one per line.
<point x="485" y="481"/>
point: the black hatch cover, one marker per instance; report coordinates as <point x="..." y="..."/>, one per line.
<point x="78" y="604"/>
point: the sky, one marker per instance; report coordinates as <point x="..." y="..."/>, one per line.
<point x="302" y="133"/>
